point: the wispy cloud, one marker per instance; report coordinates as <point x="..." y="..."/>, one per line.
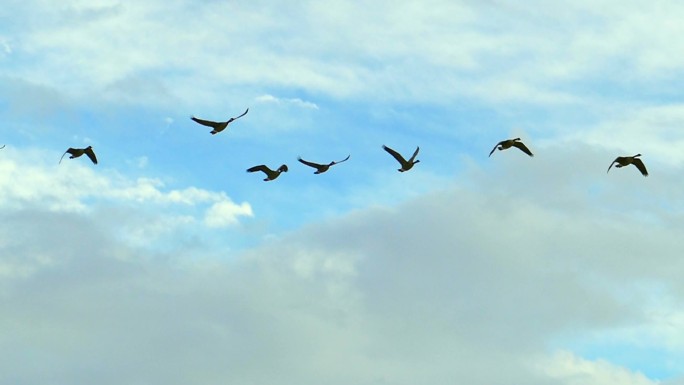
<point x="288" y="101"/>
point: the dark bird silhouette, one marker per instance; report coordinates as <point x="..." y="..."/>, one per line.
<point x="405" y="164"/>
<point x="218" y="126"/>
<point x="622" y="161"/>
<point x="3" y="146"/>
<point x="506" y="144"/>
<point x="76" y="152"/>
<point x="270" y="174"/>
<point x="321" y="168"/>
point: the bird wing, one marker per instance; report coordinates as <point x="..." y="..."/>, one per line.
<point x="494" y="149"/>
<point x="68" y="151"/>
<point x="310" y="164"/>
<point x="640" y="165"/>
<point x="343" y="160"/>
<point x="91" y="155"/>
<point x="413" y="157"/>
<point x="395" y="154"/>
<point x="3" y="146"/>
<point x="260" y="167"/>
<point x="207" y="123"/>
<point x="523" y="148"/>
<point x="60" y="159"/>
<point x="239" y="116"/>
<point x="611" y="165"/>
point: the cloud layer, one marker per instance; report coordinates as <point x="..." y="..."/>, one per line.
<point x="443" y="288"/>
<point x="168" y="264"/>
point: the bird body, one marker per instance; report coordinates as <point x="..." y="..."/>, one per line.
<point x="405" y="164"/>
<point x="321" y="168"/>
<point x="77" y="152"/>
<point x="218" y="126"/>
<point x="270" y="174"/>
<point x="506" y="144"/>
<point x="622" y="161"/>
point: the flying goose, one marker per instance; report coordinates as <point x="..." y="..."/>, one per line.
<point x="76" y="152"/>
<point x="405" y="165"/>
<point x="623" y="161"/>
<point x="270" y="174"/>
<point x="321" y="168"/>
<point x="506" y="144"/>
<point x="218" y="126"/>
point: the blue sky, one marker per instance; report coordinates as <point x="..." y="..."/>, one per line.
<point x="168" y="263"/>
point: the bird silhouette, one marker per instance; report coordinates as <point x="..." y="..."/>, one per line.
<point x="270" y="174"/>
<point x="622" y="161"/>
<point x="321" y="168"/>
<point x="506" y="144"/>
<point x="218" y="126"/>
<point x="405" y="164"/>
<point x="3" y="146"/>
<point x="76" y="152"/>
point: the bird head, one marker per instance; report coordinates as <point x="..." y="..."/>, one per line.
<point x="282" y="168"/>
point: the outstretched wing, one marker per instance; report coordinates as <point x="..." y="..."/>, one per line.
<point x="260" y="167"/>
<point x="640" y="165"/>
<point x="310" y="164"/>
<point x="523" y="148"/>
<point x="207" y="123"/>
<point x="415" y="153"/>
<point x="91" y="155"/>
<point x="239" y="116"/>
<point x="395" y="154"/>
<point x="3" y="146"/>
<point x="343" y="160"/>
<point x="68" y="151"/>
<point x="611" y="165"/>
<point x="494" y="149"/>
<point x="60" y="159"/>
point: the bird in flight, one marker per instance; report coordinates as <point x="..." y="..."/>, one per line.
<point x="76" y="152"/>
<point x="270" y="174"/>
<point x="622" y="161"/>
<point x="218" y="126"/>
<point x="506" y="144"/>
<point x="405" y="164"/>
<point x="3" y="146"/>
<point x="321" y="168"/>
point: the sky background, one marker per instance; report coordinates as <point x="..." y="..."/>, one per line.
<point x="167" y="263"/>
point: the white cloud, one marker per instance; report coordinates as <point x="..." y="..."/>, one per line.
<point x="567" y="368"/>
<point x="527" y="53"/>
<point x="30" y="180"/>
<point x="293" y="101"/>
<point x="439" y="289"/>
<point x="225" y="213"/>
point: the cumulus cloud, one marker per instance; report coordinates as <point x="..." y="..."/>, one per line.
<point x="442" y="288"/>
<point x="75" y="186"/>
<point x="226" y="213"/>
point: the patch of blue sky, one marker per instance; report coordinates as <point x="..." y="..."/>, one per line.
<point x="655" y="362"/>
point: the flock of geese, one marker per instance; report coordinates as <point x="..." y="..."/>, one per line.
<point x="406" y="165"/>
